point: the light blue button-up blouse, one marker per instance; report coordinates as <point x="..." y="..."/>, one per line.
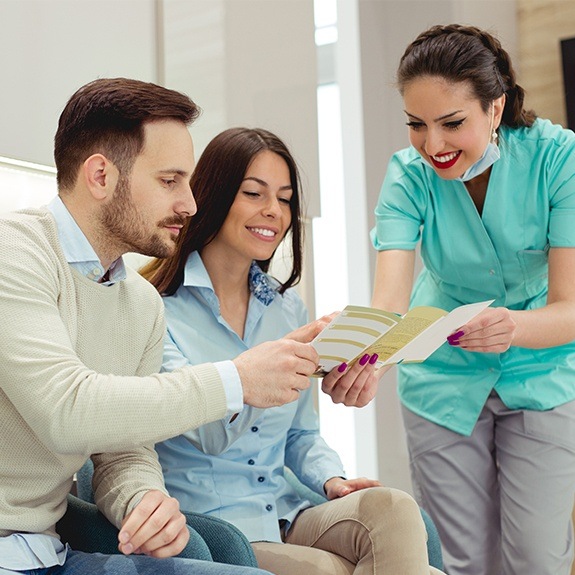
<point x="234" y="470"/>
<point x="500" y="255"/>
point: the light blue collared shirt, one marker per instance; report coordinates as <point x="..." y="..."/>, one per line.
<point x="234" y="469"/>
<point x="78" y="251"/>
<point x="23" y="551"/>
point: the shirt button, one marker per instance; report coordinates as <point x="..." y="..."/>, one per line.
<point x="269" y="507"/>
<point x="254" y="428"/>
<point x="251" y="461"/>
<point x="491" y="272"/>
<point x="96" y="271"/>
<point x="261" y="479"/>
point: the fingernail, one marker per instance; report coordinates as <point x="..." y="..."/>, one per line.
<point x="373" y="358"/>
<point x="123" y="537"/>
<point x="452" y="342"/>
<point x="342" y="367"/>
<point x="364" y="359"/>
<point x="455" y="335"/>
<point x="127" y="549"/>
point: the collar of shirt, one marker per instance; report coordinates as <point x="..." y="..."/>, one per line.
<point x="78" y="251"/>
<point x="261" y="286"/>
<point x="196" y="275"/>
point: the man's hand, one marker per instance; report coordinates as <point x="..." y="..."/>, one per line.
<point x="307" y="332"/>
<point x="154" y="527"/>
<point x="353" y="386"/>
<point x="339" y="487"/>
<point x="273" y="373"/>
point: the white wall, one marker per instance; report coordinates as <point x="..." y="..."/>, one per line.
<point x="245" y="62"/>
<point x="49" y="48"/>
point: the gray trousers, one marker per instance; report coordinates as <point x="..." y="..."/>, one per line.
<point x="502" y="498"/>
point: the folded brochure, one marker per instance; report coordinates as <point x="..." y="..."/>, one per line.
<point x="358" y="330"/>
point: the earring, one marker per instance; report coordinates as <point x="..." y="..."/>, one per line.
<point x="494" y="136"/>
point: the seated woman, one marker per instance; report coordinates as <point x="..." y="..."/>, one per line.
<point x="219" y="302"/>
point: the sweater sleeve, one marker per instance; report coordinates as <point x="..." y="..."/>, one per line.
<point x="121" y="479"/>
<point x="54" y="391"/>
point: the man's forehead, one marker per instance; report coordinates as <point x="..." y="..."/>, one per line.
<point x="169" y="139"/>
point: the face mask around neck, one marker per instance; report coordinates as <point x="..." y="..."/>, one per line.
<point x="488" y="158"/>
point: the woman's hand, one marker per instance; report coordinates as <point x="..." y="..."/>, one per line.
<point x="353" y="386"/>
<point x="491" y="331"/>
<point x="340" y="487"/>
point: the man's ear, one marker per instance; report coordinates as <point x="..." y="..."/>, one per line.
<point x="100" y="176"/>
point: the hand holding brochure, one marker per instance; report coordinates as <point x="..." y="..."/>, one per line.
<point x="413" y="337"/>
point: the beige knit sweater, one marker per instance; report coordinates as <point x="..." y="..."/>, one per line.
<point x="78" y="376"/>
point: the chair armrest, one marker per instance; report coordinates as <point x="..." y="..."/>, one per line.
<point x="433" y="542"/>
<point x="227" y="544"/>
<point x="86" y="529"/>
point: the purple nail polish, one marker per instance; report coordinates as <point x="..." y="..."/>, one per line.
<point x="342" y="367"/>
<point x="456" y="335"/>
<point x="364" y="359"/>
<point x="453" y="341"/>
<point x="373" y="358"/>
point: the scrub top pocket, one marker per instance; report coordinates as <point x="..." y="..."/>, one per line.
<point x="534" y="265"/>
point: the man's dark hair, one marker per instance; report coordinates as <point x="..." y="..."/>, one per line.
<point x="107" y="116"/>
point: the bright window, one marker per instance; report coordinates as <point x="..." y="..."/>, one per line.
<point x="337" y="422"/>
<point x="25" y="185"/>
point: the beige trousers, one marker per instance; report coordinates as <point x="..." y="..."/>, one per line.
<point x="375" y="531"/>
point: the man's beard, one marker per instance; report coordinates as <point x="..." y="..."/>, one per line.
<point x="123" y="224"/>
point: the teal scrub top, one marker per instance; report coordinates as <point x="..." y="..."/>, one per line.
<point x="500" y="255"/>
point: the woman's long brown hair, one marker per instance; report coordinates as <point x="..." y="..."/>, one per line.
<point x="215" y="183"/>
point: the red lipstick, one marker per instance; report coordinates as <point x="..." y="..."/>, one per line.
<point x="445" y="165"/>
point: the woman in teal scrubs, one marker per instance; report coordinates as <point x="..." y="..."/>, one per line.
<point x="489" y="191"/>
